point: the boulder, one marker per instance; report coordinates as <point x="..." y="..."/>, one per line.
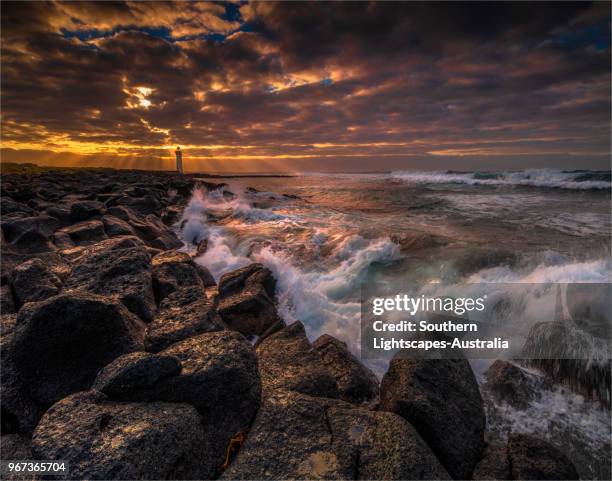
<point x="122" y="274"/>
<point x="246" y="301"/>
<point x="33" y="281"/>
<point x="296" y="436"/>
<point x="288" y="361"/>
<point x="30" y="234"/>
<point x="86" y="209"/>
<point x="61" y="343"/>
<point x="114" y="226"/>
<point x="509" y="383"/>
<point x="101" y="439"/>
<point x="441" y="399"/>
<point x="7" y="303"/>
<point x="86" y="232"/>
<point x="533" y="458"/>
<point x="173" y="270"/>
<point x="184" y="313"/>
<point x="9" y="206"/>
<point x="60" y="212"/>
<point x="356" y="383"/>
<point x="135" y="372"/>
<point x="494" y="464"/>
<point x="15" y="447"/>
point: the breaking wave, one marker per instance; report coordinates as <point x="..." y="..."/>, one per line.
<point x="550" y="178"/>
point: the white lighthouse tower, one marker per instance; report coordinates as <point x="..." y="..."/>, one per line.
<point x="179" y="160"/>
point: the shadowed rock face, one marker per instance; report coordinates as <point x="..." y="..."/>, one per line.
<point x="288" y="361"/>
<point x="441" y="399"/>
<point x="356" y="383"/>
<point x="122" y="274"/>
<point x="494" y="464"/>
<point x="185" y="313"/>
<point x="33" y="281"/>
<point x="296" y="436"/>
<point x="246" y="301"/>
<point x="174" y="270"/>
<point x="101" y="439"/>
<point x="60" y="344"/>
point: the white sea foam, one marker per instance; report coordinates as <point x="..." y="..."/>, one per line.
<point x="551" y="178"/>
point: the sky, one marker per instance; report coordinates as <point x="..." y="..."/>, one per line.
<point x="296" y="87"/>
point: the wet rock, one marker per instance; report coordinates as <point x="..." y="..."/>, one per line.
<point x="61" y="343"/>
<point x="356" y="383"/>
<point x="201" y="248"/>
<point x="494" y="464"/>
<point x="295" y="436"/>
<point x="33" y="281"/>
<point x="552" y="347"/>
<point x="122" y="274"/>
<point x="441" y="399"/>
<point x="533" y="458"/>
<point x="86" y="209"/>
<point x="507" y="382"/>
<point x="134" y="372"/>
<point x="184" y="313"/>
<point x="172" y="271"/>
<point x="7" y="303"/>
<point x="108" y="440"/>
<point x="246" y="301"/>
<point x="85" y="233"/>
<point x="171" y="215"/>
<point x="288" y="361"/>
<point x="114" y="226"/>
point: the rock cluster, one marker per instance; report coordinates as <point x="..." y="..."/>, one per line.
<point x="124" y="357"/>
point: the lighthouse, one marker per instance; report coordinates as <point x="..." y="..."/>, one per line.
<point x="179" y="160"/>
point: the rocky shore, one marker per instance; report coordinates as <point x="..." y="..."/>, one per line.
<point x="124" y="357"/>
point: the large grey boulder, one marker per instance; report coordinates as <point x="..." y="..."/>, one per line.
<point x="174" y="270"/>
<point x="61" y="343"/>
<point x="296" y="436"/>
<point x="122" y="274"/>
<point x="534" y="459"/>
<point x="441" y="399"/>
<point x="33" y="281"/>
<point x="288" y="361"/>
<point x="246" y="301"/>
<point x="356" y="383"/>
<point x="494" y="464"/>
<point x="184" y="313"/>
<point x="509" y="383"/>
<point x="101" y="439"/>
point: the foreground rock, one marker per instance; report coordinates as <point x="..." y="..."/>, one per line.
<point x="184" y="313"/>
<point x="288" y="361"/>
<point x="33" y="281"/>
<point x="61" y="343"/>
<point x="121" y="274"/>
<point x="356" y="383"/>
<point x="219" y="377"/>
<point x="524" y="457"/>
<point x="441" y="399"/>
<point x="508" y="383"/>
<point x="296" y="436"/>
<point x="174" y="270"/>
<point x="108" y="440"/>
<point x="246" y="301"/>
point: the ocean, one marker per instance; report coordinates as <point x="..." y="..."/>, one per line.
<point x="324" y="235"/>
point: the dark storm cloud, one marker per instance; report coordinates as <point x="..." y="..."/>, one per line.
<point x="350" y="85"/>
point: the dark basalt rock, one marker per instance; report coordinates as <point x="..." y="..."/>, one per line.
<point x="494" y="464"/>
<point x="114" y="226"/>
<point x="534" y="459"/>
<point x="288" y="361"/>
<point x="134" y="372"/>
<point x="9" y="206"/>
<point x="246" y="301"/>
<point x="33" y="281"/>
<point x="16" y="447"/>
<point x="122" y="274"/>
<point x="296" y="436"/>
<point x="441" y="399"/>
<point x="86" y="232"/>
<point x="356" y="383"/>
<point x="184" y="313"/>
<point x="7" y="303"/>
<point x="86" y="209"/>
<point x="42" y="224"/>
<point x="172" y="271"/>
<point x="61" y="343"/>
<point x="101" y="439"/>
<point x="509" y="383"/>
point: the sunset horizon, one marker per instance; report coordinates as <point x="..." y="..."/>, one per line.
<point x="294" y="87"/>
